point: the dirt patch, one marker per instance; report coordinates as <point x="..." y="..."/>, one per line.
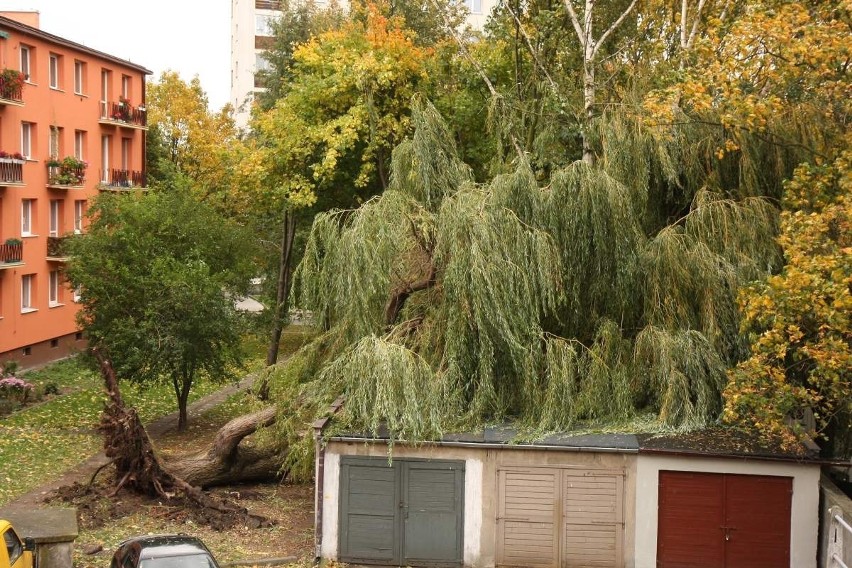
<point x="104" y="521"/>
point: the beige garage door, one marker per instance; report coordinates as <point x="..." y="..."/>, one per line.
<point x="567" y="518"/>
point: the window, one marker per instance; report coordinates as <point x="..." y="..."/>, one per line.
<point x="80" y="144"/>
<point x="263" y="25"/>
<point x="79" y="77"/>
<point x="53" y="288"/>
<point x="475" y="6"/>
<point x="261" y="63"/>
<point x="106" y="142"/>
<point x="125" y="153"/>
<point x="125" y="86"/>
<point x="55" y="216"/>
<point x="53" y="71"/>
<point x="27" y="132"/>
<point x="14" y="548"/>
<point x="27" y="289"/>
<point x="106" y="78"/>
<point x="27" y="211"/>
<point x="79" y="213"/>
<point x="27" y="351"/>
<point x="26" y="68"/>
<point x="53" y="146"/>
<point x="54" y="343"/>
<point x="76" y="294"/>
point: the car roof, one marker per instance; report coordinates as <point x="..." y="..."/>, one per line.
<point x="152" y="546"/>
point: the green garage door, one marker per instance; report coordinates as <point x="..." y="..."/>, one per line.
<point x="406" y="513"/>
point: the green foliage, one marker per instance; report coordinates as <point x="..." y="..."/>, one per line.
<point x="449" y="304"/>
<point x="158" y="273"/>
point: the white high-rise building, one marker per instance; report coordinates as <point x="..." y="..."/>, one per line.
<point x="250" y="34"/>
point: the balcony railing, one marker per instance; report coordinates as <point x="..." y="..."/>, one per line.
<point x="11" y="87"/>
<point x="65" y="175"/>
<point x="57" y="247"/>
<point x="125" y="113"/>
<point x="267" y="5"/>
<point x="11" y="254"/>
<point x="11" y="171"/>
<point x="122" y="179"/>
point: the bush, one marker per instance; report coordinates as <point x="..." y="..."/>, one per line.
<point x="8" y="406"/>
<point x="50" y="387"/>
<point x="13" y="388"/>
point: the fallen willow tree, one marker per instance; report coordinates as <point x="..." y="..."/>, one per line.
<point x="446" y="304"/>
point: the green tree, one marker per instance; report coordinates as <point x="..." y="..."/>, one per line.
<point x="158" y="274"/>
<point x="297" y="23"/>
<point x="192" y="139"/>
<point x="329" y="139"/>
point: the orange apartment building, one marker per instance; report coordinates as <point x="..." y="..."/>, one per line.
<point x="72" y="124"/>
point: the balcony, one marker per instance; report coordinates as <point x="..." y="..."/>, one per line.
<point x="11" y="87"/>
<point x="11" y="169"/>
<point x="122" y="180"/>
<point x="123" y="114"/>
<point x="11" y="254"/>
<point x="267" y="5"/>
<point x="68" y="173"/>
<point x="57" y="248"/>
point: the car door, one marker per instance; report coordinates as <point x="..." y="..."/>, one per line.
<point x="14" y="549"/>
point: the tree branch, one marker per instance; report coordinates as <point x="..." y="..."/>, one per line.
<point x="612" y="28"/>
<point x="576" y="21"/>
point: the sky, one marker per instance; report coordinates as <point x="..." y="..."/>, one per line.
<point x="192" y="37"/>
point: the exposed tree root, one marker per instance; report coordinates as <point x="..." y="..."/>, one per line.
<point x="137" y="467"/>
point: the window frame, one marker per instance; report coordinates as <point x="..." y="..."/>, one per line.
<point x="80" y="144"/>
<point x="27" y="129"/>
<point x="53" y="288"/>
<point x="106" y="148"/>
<point x="53" y="74"/>
<point x="79" y="77"/>
<point x="26" y="61"/>
<point x="27" y="288"/>
<point x="54" y="217"/>
<point x="27" y="217"/>
<point x="79" y="214"/>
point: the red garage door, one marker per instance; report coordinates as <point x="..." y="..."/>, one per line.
<point x="711" y="520"/>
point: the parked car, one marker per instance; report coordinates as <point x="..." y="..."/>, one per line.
<point x="15" y="553"/>
<point x="163" y="551"/>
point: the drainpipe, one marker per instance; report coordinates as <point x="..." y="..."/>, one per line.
<point x="319" y="473"/>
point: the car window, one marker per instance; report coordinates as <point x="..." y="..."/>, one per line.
<point x="188" y="561"/>
<point x="13" y="545"/>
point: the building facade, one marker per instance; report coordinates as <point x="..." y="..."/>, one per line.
<point x="250" y="34"/>
<point x="72" y="124"/>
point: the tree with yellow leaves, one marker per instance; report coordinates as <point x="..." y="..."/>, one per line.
<point x="195" y="139"/>
<point x="329" y="139"/>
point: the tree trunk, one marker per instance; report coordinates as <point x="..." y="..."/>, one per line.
<point x="285" y="271"/>
<point x="183" y="399"/>
<point x="226" y="461"/>
<point x="137" y="466"/>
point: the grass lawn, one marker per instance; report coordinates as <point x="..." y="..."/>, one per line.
<point x="40" y="442"/>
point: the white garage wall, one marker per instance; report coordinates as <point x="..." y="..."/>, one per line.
<point x="804" y="512"/>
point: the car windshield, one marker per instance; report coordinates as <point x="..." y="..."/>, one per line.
<point x="185" y="561"/>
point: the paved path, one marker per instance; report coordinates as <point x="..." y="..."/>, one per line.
<point x="83" y="471"/>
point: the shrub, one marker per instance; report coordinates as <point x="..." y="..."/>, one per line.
<point x="13" y="388"/>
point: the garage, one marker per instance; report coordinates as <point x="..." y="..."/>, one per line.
<point x="723" y="520"/>
<point x="563" y="517"/>
<point x="408" y="512"/>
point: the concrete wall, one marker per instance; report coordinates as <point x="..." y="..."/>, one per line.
<point x="805" y="506"/>
<point x="481" y="465"/>
<point x="834" y="539"/>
